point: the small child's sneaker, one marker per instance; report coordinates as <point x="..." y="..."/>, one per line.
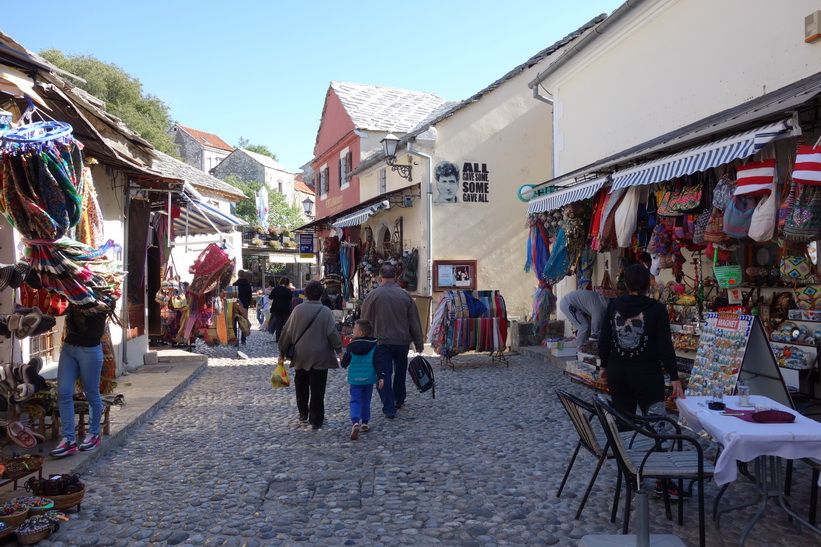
<point x="65" y="448"/>
<point x="355" y="431"/>
<point x="90" y="443"/>
<point x="364" y="428"/>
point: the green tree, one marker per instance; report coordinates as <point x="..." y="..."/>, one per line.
<point x="258" y="148"/>
<point x="123" y="95"/>
<point x="280" y="212"/>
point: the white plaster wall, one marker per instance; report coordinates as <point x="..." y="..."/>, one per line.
<point x="674" y="63"/>
<point x="510" y="132"/>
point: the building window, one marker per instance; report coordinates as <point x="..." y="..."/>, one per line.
<point x="344" y="168"/>
<point x="279" y="185"/>
<point x="382" y="181"/>
<point x="323" y="182"/>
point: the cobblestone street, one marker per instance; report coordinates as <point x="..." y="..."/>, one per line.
<point x="226" y="463"/>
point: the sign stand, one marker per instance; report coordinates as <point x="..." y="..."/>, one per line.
<point x="735" y="347"/>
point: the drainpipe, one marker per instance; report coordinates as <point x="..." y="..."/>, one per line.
<point x="428" y="218"/>
<point x="124" y="298"/>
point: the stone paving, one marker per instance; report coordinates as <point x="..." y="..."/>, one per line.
<point x="226" y="463"/>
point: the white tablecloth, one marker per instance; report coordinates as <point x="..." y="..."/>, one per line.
<point x="744" y="440"/>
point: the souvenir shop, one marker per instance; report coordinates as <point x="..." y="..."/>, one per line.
<point x="727" y="226"/>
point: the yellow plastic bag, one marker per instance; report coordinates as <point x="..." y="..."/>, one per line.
<point x="279" y="378"/>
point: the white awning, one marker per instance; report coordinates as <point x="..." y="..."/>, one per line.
<point x="559" y="198"/>
<point x="357" y="218"/>
<point x="197" y="218"/>
<point x="700" y="158"/>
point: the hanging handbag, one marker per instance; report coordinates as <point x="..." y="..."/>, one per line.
<point x="669" y="199"/>
<point x="700" y="228"/>
<point x="606" y="289"/>
<point x="804" y="223"/>
<point x="689" y="197"/>
<point x="765" y="217"/>
<point x="808" y="297"/>
<point x="723" y="192"/>
<point x="796" y="266"/>
<point x="728" y="275"/>
<point x="807" y="168"/>
<point x="755" y="178"/>
<point x="626" y="215"/>
<point x="171" y="279"/>
<point x="738" y="215"/>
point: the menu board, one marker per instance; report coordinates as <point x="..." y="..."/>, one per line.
<point x="720" y="354"/>
<point x="733" y="347"/>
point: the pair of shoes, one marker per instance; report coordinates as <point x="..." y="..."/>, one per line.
<point x="23" y="435"/>
<point x="355" y="431"/>
<point x="90" y="443"/>
<point x="65" y="448"/>
<point x="389" y="416"/>
<point x="364" y="428"/>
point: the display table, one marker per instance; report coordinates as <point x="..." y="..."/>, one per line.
<point x="747" y="441"/>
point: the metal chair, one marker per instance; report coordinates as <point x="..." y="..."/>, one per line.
<point x="655" y="464"/>
<point x="593" y="440"/>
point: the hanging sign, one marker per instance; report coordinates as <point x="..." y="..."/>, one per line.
<point x="306" y="245"/>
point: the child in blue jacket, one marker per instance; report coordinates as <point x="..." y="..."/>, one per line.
<point x="366" y="363"/>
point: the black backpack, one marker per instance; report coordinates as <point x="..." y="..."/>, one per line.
<point x="422" y="374"/>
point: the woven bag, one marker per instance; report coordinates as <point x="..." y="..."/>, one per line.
<point x="714" y="231"/>
<point x="808" y="165"/>
<point x="723" y="192"/>
<point x="755" y="178"/>
<point x="804" y="223"/>
<point x="737" y="216"/>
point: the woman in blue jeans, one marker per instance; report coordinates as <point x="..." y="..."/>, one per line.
<point x="81" y="357"/>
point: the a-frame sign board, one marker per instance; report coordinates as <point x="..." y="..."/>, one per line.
<point x="735" y="347"/>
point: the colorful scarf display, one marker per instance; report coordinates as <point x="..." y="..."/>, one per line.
<point x="466" y="322"/>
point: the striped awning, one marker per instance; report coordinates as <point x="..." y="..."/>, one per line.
<point x="198" y="218"/>
<point x="559" y="198"/>
<point x="700" y="158"/>
<point x="357" y="218"/>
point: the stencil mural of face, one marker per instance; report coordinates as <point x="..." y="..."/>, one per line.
<point x="447" y="182"/>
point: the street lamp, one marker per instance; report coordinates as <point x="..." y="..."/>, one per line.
<point x="389" y="144"/>
<point x="308" y="206"/>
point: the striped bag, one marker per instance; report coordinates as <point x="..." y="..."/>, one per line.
<point x="808" y="166"/>
<point x="755" y="178"/>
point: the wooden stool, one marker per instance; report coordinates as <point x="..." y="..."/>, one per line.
<point x="81" y="410"/>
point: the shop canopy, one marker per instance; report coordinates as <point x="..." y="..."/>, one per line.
<point x="701" y="158"/>
<point x="563" y="196"/>
<point x="357" y="218"/>
<point x="198" y="217"/>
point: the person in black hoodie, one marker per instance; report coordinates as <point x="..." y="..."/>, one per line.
<point x="367" y="364"/>
<point x="636" y="348"/>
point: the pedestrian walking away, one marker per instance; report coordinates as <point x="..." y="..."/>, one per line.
<point x="281" y="298"/>
<point x="81" y="357"/>
<point x="367" y="365"/>
<point x="311" y="329"/>
<point x="395" y="320"/>
<point x="244" y="294"/>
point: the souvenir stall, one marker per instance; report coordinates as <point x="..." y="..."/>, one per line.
<point x="731" y="231"/>
<point x="463" y="322"/>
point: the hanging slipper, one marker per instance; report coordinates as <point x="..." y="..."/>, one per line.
<point x="18" y="434"/>
<point x="7" y="381"/>
<point x="10" y="277"/>
<point x="24" y="325"/>
<point x="29" y="379"/>
<point x="29" y="274"/>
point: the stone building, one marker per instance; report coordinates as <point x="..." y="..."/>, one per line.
<point x="199" y="149"/>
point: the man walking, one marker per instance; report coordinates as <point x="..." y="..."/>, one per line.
<point x="396" y="324"/>
<point x="244" y="294"/>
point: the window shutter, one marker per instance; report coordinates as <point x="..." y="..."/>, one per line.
<point x="348" y="162"/>
<point x="341" y="172"/>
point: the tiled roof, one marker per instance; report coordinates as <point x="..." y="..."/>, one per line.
<point x="267" y="161"/>
<point x="173" y="167"/>
<point x="379" y="108"/>
<point x="207" y="139"/>
<point x="300" y="186"/>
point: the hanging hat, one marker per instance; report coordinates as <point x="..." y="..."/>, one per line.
<point x="10" y="277"/>
<point x="29" y="274"/>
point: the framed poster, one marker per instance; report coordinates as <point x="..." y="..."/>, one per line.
<point x="450" y="275"/>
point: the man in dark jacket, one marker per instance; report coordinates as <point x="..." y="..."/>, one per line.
<point x="635" y="345"/>
<point x="281" y="299"/>
<point x="244" y="294"/>
<point x="396" y="324"/>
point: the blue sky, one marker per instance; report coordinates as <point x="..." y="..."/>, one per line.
<point x="259" y="69"/>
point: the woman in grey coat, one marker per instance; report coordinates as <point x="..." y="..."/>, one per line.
<point x="318" y="347"/>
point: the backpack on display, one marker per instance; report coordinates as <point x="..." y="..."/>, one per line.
<point x="421" y="373"/>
